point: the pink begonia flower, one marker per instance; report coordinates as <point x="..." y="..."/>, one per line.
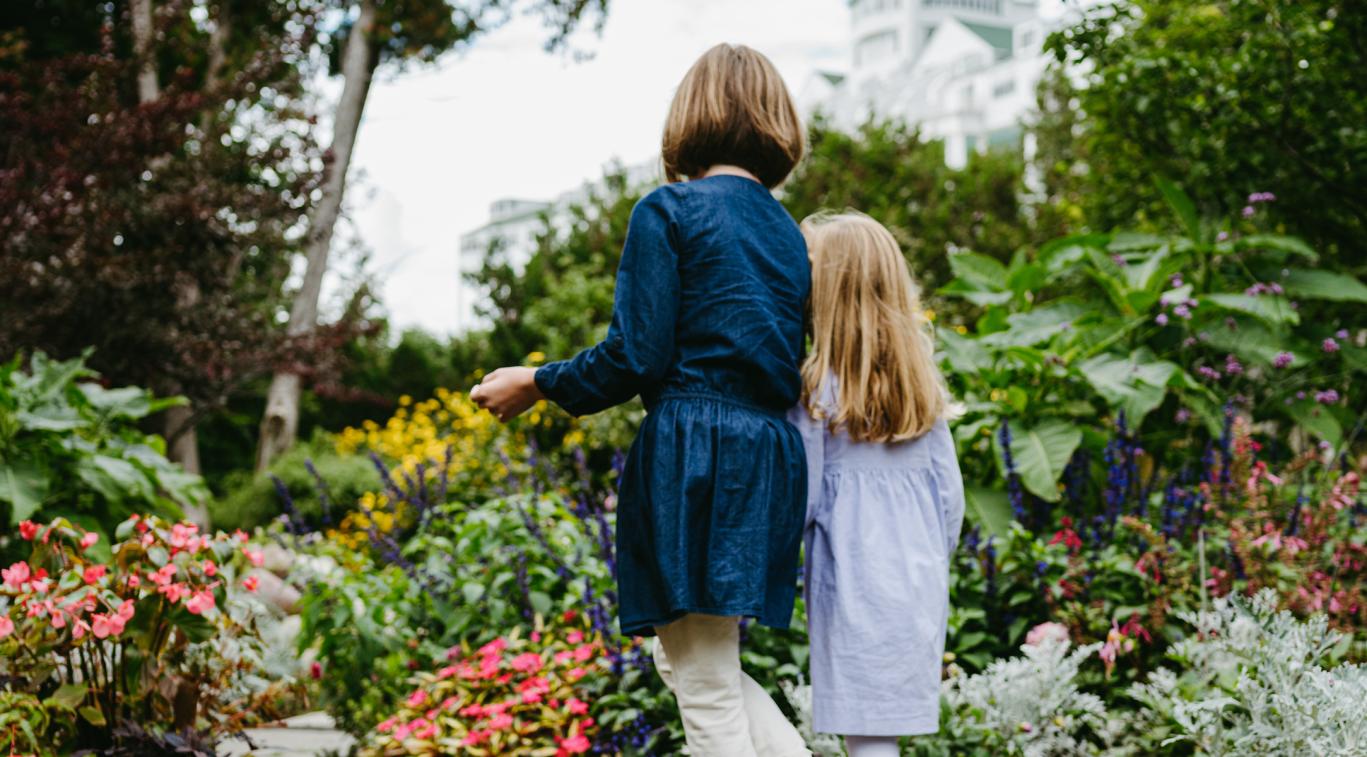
<point x="576" y="674"/>
<point x="174" y="592"/>
<point x="501" y="722"/>
<point x="574" y="637"/>
<point x="531" y="697"/>
<point x="93" y="574"/>
<point x="386" y="726"/>
<point x="563" y="657"/>
<point x="577" y="744"/>
<point x="103" y="626"/>
<point x="28" y="530"/>
<point x="255" y="556"/>
<point x="577" y="706"/>
<point x="472" y="711"/>
<point x="417" y="698"/>
<point x="425" y="731"/>
<point x="450" y="703"/>
<point x="474" y="737"/>
<point x="494" y="647"/>
<point x="210" y="569"/>
<point x="1046" y="632"/>
<point x="584" y="653"/>
<point x="125" y="610"/>
<point x="6" y="626"/>
<point x="529" y="662"/>
<point x="251" y="583"/>
<point x="133" y="581"/>
<point x="89" y="539"/>
<point x="16" y="575"/>
<point x="201" y="602"/>
<point x="79" y="628"/>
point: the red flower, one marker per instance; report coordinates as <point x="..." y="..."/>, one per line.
<point x="28" y="530"/>
<point x="93" y="574"/>
<point x="316" y="670"/>
<point x="89" y="539"/>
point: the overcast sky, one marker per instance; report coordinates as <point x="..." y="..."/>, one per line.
<point x="505" y="119"/>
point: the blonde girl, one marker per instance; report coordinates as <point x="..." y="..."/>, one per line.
<point x="707" y="330"/>
<point x="885" y="496"/>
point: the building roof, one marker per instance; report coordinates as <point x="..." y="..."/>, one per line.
<point x="998" y="37"/>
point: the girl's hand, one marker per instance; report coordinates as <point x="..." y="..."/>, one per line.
<point x="507" y="392"/>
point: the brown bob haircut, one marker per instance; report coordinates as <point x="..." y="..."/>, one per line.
<point x="732" y="108"/>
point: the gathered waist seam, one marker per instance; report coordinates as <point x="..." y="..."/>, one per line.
<point x="697" y="394"/>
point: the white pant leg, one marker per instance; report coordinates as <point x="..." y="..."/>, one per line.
<point x="725" y="714"/>
<point x="872" y="746"/>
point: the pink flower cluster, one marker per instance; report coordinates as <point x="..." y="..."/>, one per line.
<point x="506" y="692"/>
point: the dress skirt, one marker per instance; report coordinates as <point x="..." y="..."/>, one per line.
<point x="710" y="513"/>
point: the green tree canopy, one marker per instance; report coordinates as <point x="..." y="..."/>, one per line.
<point x="1229" y="98"/>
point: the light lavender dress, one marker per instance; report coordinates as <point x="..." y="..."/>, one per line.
<point x="882" y="520"/>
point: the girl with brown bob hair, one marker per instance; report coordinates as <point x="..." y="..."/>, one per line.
<point x="707" y="330"/>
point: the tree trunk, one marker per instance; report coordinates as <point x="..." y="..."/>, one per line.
<point x="177" y="422"/>
<point x="144" y="29"/>
<point x="280" y="422"/>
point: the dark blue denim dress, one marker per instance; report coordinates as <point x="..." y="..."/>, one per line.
<point x="707" y="329"/>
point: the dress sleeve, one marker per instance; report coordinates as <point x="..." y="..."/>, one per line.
<point x="950" y="482"/>
<point x="813" y="433"/>
<point x="640" y="341"/>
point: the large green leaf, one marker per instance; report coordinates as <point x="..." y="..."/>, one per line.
<point x="1276" y="242"/>
<point x="979" y="270"/>
<point x="112" y="477"/>
<point x="51" y="417"/>
<point x="1273" y="310"/>
<point x="1182" y="207"/>
<point x="1135" y="384"/>
<point x="1038" y="325"/>
<point x="1060" y="254"/>
<point x="1041" y="453"/>
<point x="24" y="485"/>
<point x="963" y="354"/>
<point x="989" y="509"/>
<point x="1253" y="342"/>
<point x="1317" y="419"/>
<point x="1325" y="285"/>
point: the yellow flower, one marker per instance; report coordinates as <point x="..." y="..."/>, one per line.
<point x="961" y="329"/>
<point x="536" y="358"/>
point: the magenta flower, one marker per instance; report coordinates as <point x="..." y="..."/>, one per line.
<point x="1282" y="360"/>
<point x="1182" y="311"/>
<point x="1183" y="415"/>
<point x="1248" y="211"/>
<point x="1329" y="345"/>
<point x="1232" y="365"/>
<point x="1222" y="236"/>
<point x="1161" y="319"/>
<point x="1340" y="334"/>
<point x="1327" y="397"/>
<point x="1208" y="372"/>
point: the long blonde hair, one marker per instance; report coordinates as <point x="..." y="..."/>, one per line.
<point x="732" y="107"/>
<point x="869" y="334"/>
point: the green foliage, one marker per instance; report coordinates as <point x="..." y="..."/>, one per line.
<point x="71" y="447"/>
<point x="1160" y="330"/>
<point x="253" y="500"/>
<point x="1231" y="96"/>
<point x="83" y="633"/>
<point x="887" y="171"/>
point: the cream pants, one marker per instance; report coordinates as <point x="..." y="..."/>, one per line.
<point x="725" y="713"/>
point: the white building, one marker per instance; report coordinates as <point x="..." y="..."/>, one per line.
<point x="513" y="227"/>
<point x="964" y="70"/>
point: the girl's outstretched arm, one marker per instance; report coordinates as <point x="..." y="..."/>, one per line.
<point x="640" y="341"/>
